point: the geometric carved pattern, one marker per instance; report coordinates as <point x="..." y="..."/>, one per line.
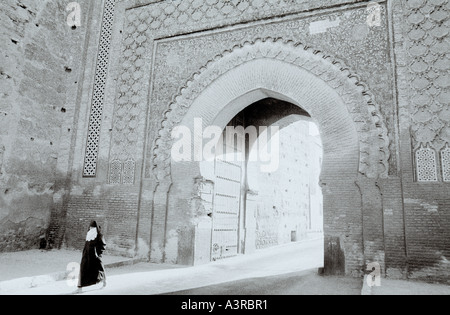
<point x="122" y="173"/>
<point x="98" y="95"/>
<point x="115" y="172"/>
<point x="426" y="42"/>
<point x="426" y="165"/>
<point x="130" y="105"/>
<point x="128" y="172"/>
<point x="445" y="156"/>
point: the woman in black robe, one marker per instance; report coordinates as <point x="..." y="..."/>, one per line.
<point x="91" y="268"/>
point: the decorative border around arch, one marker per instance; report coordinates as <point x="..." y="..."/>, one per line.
<point x="355" y="94"/>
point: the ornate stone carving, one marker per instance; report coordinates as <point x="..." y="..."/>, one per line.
<point x="426" y="42"/>
<point x="426" y="165"/>
<point x="334" y="72"/>
<point x="445" y="159"/>
<point x="98" y="94"/>
<point x="115" y="172"/>
<point x="131" y="102"/>
<point x="428" y="49"/>
<point x="122" y="172"/>
<point x="129" y="167"/>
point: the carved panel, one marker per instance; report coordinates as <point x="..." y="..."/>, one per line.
<point x="445" y="159"/>
<point x="128" y="172"/>
<point x="426" y="165"/>
<point x="98" y="94"/>
<point x="115" y="172"/>
<point x="131" y="101"/>
<point x="426" y="40"/>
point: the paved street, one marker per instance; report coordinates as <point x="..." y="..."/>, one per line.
<point x="297" y="283"/>
<point x="264" y="265"/>
<point x="283" y="265"/>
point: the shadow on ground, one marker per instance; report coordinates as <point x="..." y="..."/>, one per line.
<point x="297" y="283"/>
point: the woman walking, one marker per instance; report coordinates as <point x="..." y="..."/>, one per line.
<point x="91" y="268"/>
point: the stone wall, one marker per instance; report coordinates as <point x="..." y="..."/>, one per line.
<point x="39" y="73"/>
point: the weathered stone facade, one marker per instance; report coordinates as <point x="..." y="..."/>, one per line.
<point x="86" y="117"/>
<point x="41" y="67"/>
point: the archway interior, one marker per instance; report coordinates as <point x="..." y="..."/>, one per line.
<point x="267" y="189"/>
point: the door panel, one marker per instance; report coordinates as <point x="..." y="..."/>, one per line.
<point x="226" y="207"/>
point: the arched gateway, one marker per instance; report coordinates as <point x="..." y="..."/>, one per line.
<point x="354" y="139"/>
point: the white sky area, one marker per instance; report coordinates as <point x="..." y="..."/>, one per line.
<point x="313" y="129"/>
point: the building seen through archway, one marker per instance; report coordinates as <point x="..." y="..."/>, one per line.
<point x="289" y="200"/>
<point x="266" y="180"/>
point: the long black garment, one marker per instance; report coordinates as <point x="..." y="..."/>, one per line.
<point x="91" y="268"/>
